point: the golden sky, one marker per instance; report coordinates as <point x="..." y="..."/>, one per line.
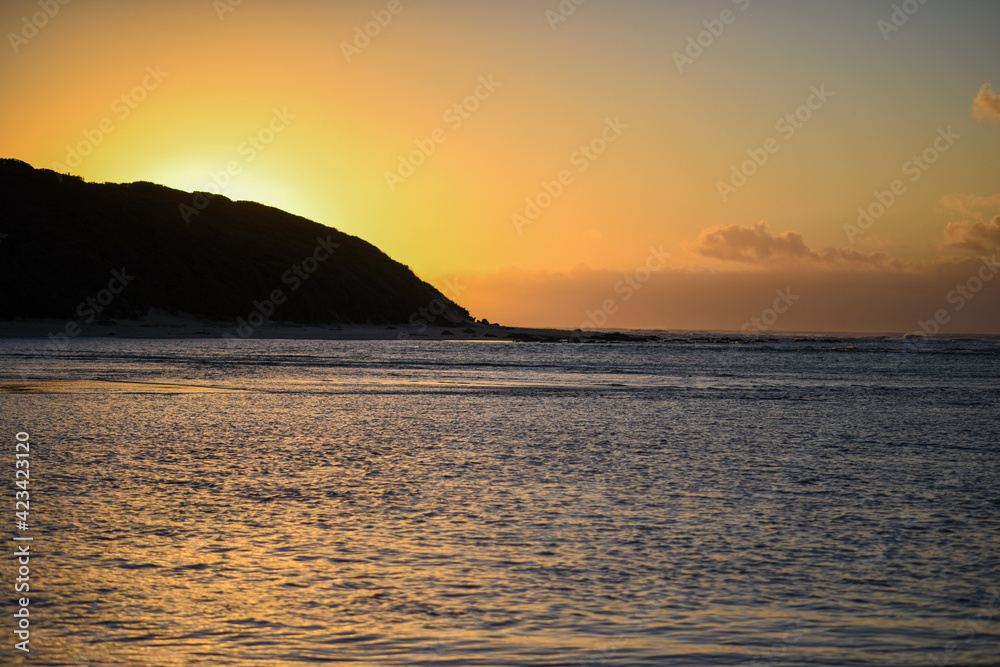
<point x="540" y="161"/>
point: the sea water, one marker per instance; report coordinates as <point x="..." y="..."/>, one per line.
<point x="700" y="500"/>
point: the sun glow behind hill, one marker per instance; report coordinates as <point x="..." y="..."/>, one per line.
<point x="248" y="185"/>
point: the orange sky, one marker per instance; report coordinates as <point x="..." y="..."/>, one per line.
<point x="615" y="123"/>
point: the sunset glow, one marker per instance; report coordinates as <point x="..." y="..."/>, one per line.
<point x="532" y="156"/>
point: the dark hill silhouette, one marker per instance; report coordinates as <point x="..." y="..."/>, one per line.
<point x="65" y="237"/>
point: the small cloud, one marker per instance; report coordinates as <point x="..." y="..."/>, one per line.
<point x="843" y="256"/>
<point x="987" y="103"/>
<point x="978" y="237"/>
<point x="971" y="205"/>
<point x="757" y="245"/>
<point x="978" y="233"/>
<point x="752" y="245"/>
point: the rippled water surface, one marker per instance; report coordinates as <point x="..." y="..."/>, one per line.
<point x="697" y="501"/>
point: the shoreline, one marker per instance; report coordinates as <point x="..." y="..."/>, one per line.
<point x="161" y="326"/>
<point x="179" y="328"/>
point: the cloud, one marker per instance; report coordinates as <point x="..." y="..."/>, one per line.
<point x="835" y="289"/>
<point x="971" y="205"/>
<point x="978" y="237"/>
<point x="752" y="245"/>
<point x="757" y="245"/>
<point x="987" y="103"/>
<point x="829" y="298"/>
<point x="977" y="233"/>
<point x="846" y="256"/>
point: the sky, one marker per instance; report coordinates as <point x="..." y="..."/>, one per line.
<point x="755" y="165"/>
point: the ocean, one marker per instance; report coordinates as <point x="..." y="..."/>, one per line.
<point x="699" y="500"/>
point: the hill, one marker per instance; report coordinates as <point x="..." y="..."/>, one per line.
<point x="94" y="252"/>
